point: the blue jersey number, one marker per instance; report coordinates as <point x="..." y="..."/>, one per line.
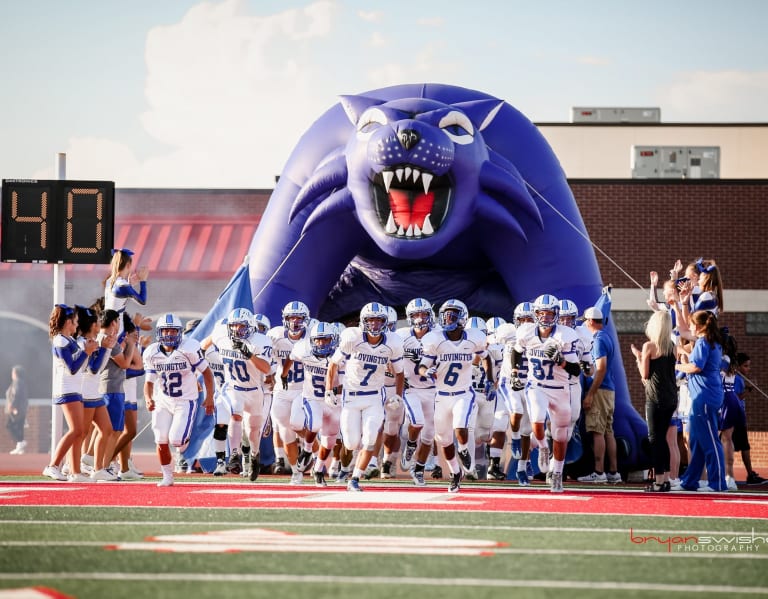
<point x="541" y="369"/>
<point x="452" y="376"/>
<point x="296" y="373"/>
<point x="370" y="369"/>
<point x="172" y="384"/>
<point x="237" y="370"/>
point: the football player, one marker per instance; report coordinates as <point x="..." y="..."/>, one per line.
<point x="515" y="398"/>
<point x="568" y="315"/>
<point x="318" y="417"/>
<point x="170" y="389"/>
<point x="499" y="422"/>
<point x="394" y="414"/>
<point x="367" y="352"/>
<point x="552" y="360"/>
<point x="447" y="359"/>
<point x="247" y="357"/>
<point x="286" y="398"/>
<point x="419" y="398"/>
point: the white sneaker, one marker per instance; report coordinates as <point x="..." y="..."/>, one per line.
<point x="166" y="482"/>
<point x="594" y="478"/>
<point x="614" y="478"/>
<point x="731" y="482"/>
<point x="674" y="482"/>
<point x="130" y="475"/>
<point x="87" y="460"/>
<point x="54" y="473"/>
<point x="86" y="468"/>
<point x="78" y="477"/>
<point x="705" y="489"/>
<point x="544" y="458"/>
<point x="19" y="449"/>
<point x="103" y="475"/>
<point x="132" y="467"/>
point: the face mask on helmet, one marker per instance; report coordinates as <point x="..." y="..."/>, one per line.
<point x="545" y="318"/>
<point x="450" y="319"/>
<point x="295" y="316"/>
<point x="168" y="330"/>
<point x="323" y="339"/>
<point x="261" y="323"/>
<point x="239" y="330"/>
<point x="374" y="325"/>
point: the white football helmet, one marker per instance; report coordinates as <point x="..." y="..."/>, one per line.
<point x="239" y="324"/>
<point x="323" y="339"/>
<point x="168" y="330"/>
<point x="523" y="313"/>
<point x="420" y="314"/>
<point x="568" y="313"/>
<point x="391" y="318"/>
<point x="261" y="323"/>
<point x="295" y="316"/>
<point x="546" y="309"/>
<point x="477" y="323"/>
<point x="374" y="318"/>
<point x="493" y="323"/>
<point x="453" y="314"/>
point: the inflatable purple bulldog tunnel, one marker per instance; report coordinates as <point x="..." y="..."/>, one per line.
<point x="423" y="190"/>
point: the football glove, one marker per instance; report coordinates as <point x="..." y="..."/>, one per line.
<point x="284" y="381"/>
<point x="331" y="398"/>
<point x="553" y="353"/>
<point x="586" y="368"/>
<point x="393" y="401"/>
<point x="516" y="383"/>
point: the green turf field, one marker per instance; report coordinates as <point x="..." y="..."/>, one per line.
<point x="545" y="555"/>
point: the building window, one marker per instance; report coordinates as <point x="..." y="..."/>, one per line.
<point x="629" y="322"/>
<point x="756" y="323"/>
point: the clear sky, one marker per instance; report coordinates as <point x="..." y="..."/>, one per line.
<point x="184" y="93"/>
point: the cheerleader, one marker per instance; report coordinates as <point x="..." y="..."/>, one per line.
<point x="119" y="286"/>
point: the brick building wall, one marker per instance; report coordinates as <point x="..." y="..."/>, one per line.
<point x="646" y="225"/>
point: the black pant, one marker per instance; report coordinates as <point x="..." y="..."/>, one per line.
<point x="658" y="419"/>
<point x="15" y="426"/>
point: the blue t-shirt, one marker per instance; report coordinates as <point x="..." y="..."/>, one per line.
<point x="707" y="384"/>
<point x="603" y="347"/>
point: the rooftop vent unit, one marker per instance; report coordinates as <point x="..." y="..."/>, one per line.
<point x="675" y="162"/>
<point x="589" y="114"/>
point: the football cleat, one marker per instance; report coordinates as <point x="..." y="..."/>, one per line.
<point x="465" y="459"/>
<point x="354" y="485"/>
<point x="522" y="478"/>
<point x="221" y="468"/>
<point x="297" y="477"/>
<point x="437" y="472"/>
<point x="320" y="479"/>
<point x="517" y="449"/>
<point x="387" y="470"/>
<point x="255" y="468"/>
<point x="455" y="483"/>
<point x="557" y="482"/>
<point x="343" y="476"/>
<point x="371" y="472"/>
<point x="235" y="465"/>
<point x="418" y="478"/>
<point x="544" y="457"/>
<point x="279" y="467"/>
<point x="495" y="472"/>
<point x="406" y="459"/>
<point x="304" y="461"/>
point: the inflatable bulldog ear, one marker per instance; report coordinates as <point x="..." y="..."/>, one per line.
<point x="426" y="190"/>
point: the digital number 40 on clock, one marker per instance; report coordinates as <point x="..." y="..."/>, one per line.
<point x="57" y="221"/>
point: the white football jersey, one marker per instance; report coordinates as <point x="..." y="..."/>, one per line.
<point x="541" y="369"/>
<point x="240" y="372"/>
<point x="315" y="370"/>
<point x="412" y="345"/>
<point x="173" y="374"/>
<point x="282" y="345"/>
<point x="366" y="364"/>
<point x="453" y="358"/>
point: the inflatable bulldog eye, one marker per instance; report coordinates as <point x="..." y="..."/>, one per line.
<point x="369" y="122"/>
<point x="458" y="127"/>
